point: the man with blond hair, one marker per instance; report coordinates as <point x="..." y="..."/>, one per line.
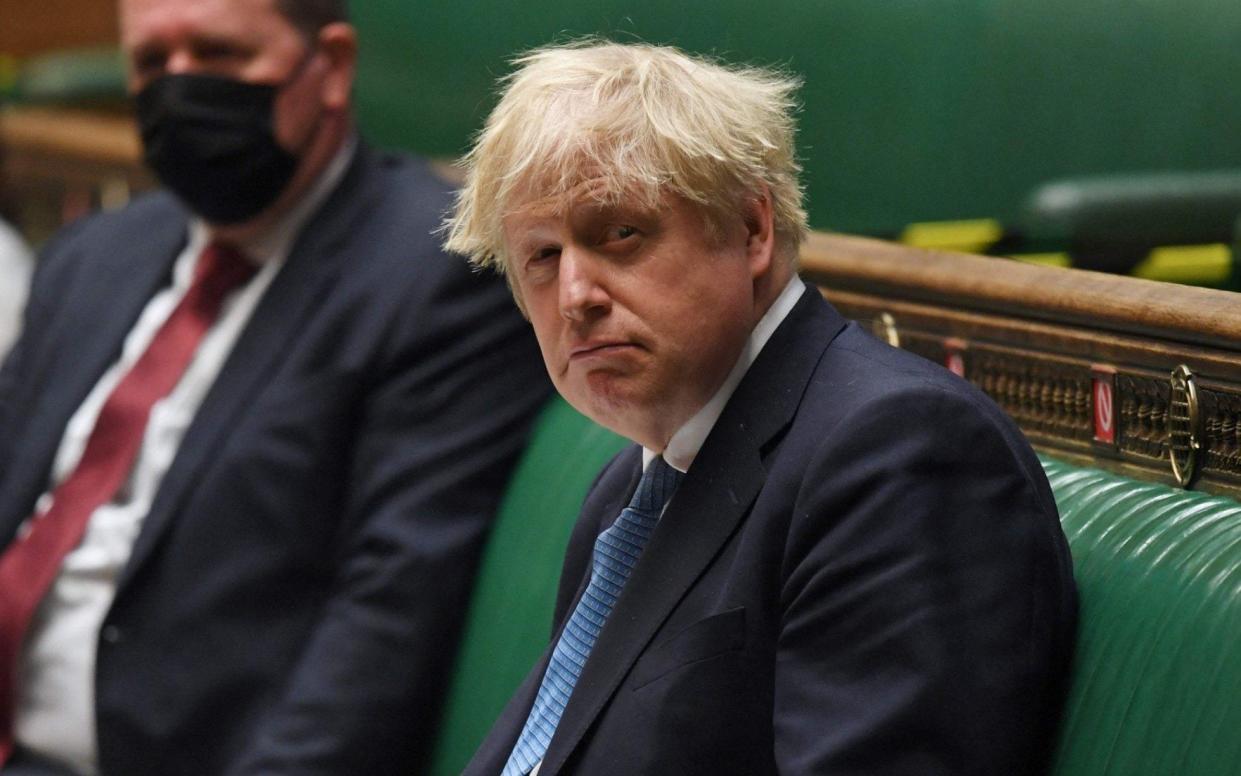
<point x="823" y="555"/>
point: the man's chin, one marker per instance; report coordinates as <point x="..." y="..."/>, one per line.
<point x="609" y="401"/>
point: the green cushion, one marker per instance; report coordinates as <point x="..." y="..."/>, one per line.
<point x="1112" y="222"/>
<point x="1148" y="209"/>
<point x="1157" y="680"/>
<point x="510" y="618"/>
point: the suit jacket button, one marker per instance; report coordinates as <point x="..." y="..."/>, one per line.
<point x="111" y="634"/>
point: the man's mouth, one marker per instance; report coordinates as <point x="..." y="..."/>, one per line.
<point x="600" y="349"/>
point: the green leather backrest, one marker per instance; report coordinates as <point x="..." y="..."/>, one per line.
<point x="1157" y="682"/>
<point x="915" y="110"/>
<point x="510" y="619"/>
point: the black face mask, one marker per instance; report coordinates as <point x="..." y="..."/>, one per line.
<point x="211" y="140"/>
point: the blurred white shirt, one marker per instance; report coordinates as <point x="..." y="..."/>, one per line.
<point x="16" y="264"/>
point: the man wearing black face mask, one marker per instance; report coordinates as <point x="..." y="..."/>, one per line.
<point x="252" y="435"/>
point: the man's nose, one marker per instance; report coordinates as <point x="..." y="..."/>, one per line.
<point x="180" y="61"/>
<point x="582" y="278"/>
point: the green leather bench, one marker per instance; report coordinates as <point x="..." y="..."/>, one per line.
<point x="92" y="77"/>
<point x="1175" y="227"/>
<point x="1157" y="683"/>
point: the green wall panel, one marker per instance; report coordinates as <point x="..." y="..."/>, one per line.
<point x="913" y="109"/>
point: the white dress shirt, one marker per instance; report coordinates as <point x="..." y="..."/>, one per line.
<point x="55" y="709"/>
<point x="684" y="445"/>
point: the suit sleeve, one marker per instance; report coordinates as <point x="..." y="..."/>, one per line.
<point x="921" y="597"/>
<point x="438" y="435"/>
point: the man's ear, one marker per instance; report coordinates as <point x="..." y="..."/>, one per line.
<point x="760" y="232"/>
<point x="339" y="43"/>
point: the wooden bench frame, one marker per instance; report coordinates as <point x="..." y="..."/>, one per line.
<point x="1052" y="345"/>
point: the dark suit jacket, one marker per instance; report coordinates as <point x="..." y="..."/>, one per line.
<point x="862" y="573"/>
<point x="294" y="597"/>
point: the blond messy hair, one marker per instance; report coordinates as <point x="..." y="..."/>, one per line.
<point x="643" y="119"/>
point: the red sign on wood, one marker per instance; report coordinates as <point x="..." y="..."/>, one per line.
<point x="954" y="356"/>
<point x="1103" y="401"/>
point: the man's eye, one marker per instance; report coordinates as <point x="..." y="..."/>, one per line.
<point x="541" y="266"/>
<point x="149" y="63"/>
<point x="211" y="51"/>
<point x="542" y="256"/>
<point x="618" y="232"/>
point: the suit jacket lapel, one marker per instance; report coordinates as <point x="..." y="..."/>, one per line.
<point x="102" y="307"/>
<point x="313" y="261"/>
<point x="711" y="503"/>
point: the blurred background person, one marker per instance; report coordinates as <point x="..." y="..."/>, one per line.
<point x="254" y="432"/>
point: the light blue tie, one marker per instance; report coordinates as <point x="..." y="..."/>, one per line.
<point x="616" y="552"/>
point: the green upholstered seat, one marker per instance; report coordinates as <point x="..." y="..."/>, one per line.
<point x="1157" y="682"/>
<point x="510" y="619"/>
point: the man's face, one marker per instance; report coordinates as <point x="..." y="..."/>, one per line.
<point x="246" y="40"/>
<point x="640" y="315"/>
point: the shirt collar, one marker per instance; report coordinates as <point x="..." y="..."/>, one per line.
<point x="684" y="445"/>
<point x="275" y="243"/>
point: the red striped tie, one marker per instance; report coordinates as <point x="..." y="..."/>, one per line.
<point x="31" y="563"/>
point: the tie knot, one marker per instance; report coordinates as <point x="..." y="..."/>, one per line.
<point x="656" y="487"/>
<point x="222" y="268"/>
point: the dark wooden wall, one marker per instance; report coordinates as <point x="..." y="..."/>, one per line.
<point x="30" y="27"/>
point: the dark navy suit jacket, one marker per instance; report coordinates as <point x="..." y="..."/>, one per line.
<point x="862" y="573"/>
<point x="295" y="595"/>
